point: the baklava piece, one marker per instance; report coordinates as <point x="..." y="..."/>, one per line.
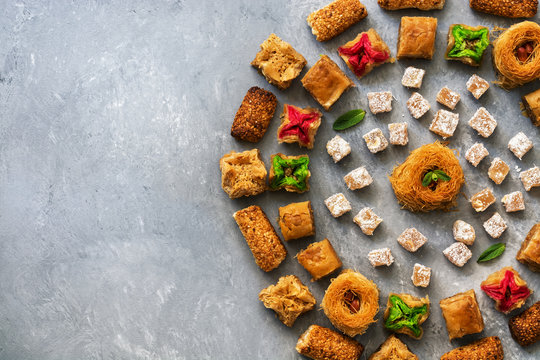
<point x="513" y="202"/>
<point x="483" y="122"/>
<point x="507" y="288"/>
<point x="444" y="123"/>
<point x="417" y="105"/>
<point x="319" y="259"/>
<point x="254" y="115"/>
<point x="462" y="314"/>
<point x="421" y="275"/>
<point x="367" y="220"/>
<point x="278" y="62"/>
<point x="467" y="43"/>
<point x="262" y="239"/>
<point x="498" y="170"/>
<point x="289" y="298"/>
<point x="495" y="226"/>
<point x="299" y="125"/>
<point x="320" y="343"/>
<point x="365" y="52"/>
<point x="242" y="174"/>
<point x="296" y="220"/>
<point x="458" y="254"/>
<point x="411" y="239"/>
<point x="338" y="148"/>
<point x="416" y="37"/>
<point x="338" y="205"/>
<point x="520" y="144"/>
<point x="399" y="134"/>
<point x="482" y="200"/>
<point x="405" y="313"/>
<point x="489" y="348"/>
<point x="531" y="106"/>
<point x="477" y="86"/>
<point x="326" y="82"/>
<point x="393" y="349"/>
<point x="375" y="141"/>
<point x="289" y="172"/>
<point x="335" y="18"/>
<point x="530" y="178"/>
<point x="358" y="178"/>
<point x="463" y="232"/>
<point x="412" y="77"/>
<point x="476" y="153"/>
<point x="380" y="102"/>
<point x="506" y="8"/>
<point x="380" y="257"/>
<point x="424" y="5"/>
<point x="529" y="253"/>
<point x="525" y="327"/>
<point x="448" y="98"/>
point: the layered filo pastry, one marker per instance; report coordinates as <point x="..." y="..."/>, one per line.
<point x="416" y="38"/>
<point x="462" y="314"/>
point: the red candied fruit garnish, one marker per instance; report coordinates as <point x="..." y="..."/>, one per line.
<point x="362" y="54"/>
<point x="507" y="292"/>
<point x="299" y="124"/>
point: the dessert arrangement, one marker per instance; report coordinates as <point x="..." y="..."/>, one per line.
<point x="431" y="178"/>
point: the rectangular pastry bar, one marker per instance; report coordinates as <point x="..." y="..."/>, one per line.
<point x="319" y="259"/>
<point x="462" y="315"/>
<point x="320" y="343"/>
<point x="506" y="8"/>
<point x="296" y="220"/>
<point x="529" y="253"/>
<point x="242" y="173"/>
<point x="525" y="327"/>
<point x="489" y="348"/>
<point x="531" y="105"/>
<point x="254" y="115"/>
<point x="416" y="38"/>
<point x="335" y="18"/>
<point x="424" y="5"/>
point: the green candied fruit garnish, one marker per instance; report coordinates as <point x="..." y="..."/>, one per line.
<point x="402" y="315"/>
<point x="469" y="43"/>
<point x="297" y="169"/>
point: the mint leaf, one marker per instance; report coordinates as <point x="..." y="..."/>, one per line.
<point x="442" y="175"/>
<point x="349" y="119"/>
<point x="427" y="179"/>
<point x="492" y="252"/>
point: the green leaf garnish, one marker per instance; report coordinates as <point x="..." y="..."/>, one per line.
<point x="349" y="119"/>
<point x="492" y="252"/>
<point x="434" y="176"/>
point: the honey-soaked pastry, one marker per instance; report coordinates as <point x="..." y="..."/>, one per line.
<point x="296" y="220"/>
<point x="462" y="314"/>
<point x="351" y="302"/>
<point x="416" y="38"/>
<point x="299" y="125"/>
<point x="243" y="173"/>
<point x="531" y="106"/>
<point x="393" y="349"/>
<point x="335" y="18"/>
<point x="529" y="253"/>
<point x="525" y="327"/>
<point x="507" y="288"/>
<point x="489" y="348"/>
<point x="320" y="259"/>
<point x="254" y="115"/>
<point x="320" y="343"/>
<point x="467" y="43"/>
<point x="405" y="313"/>
<point x="506" y="8"/>
<point x="290" y="173"/>
<point x="424" y="5"/>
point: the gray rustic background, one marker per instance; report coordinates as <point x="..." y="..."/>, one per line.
<point x="116" y="240"/>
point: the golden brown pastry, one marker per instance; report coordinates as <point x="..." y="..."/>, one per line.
<point x="525" y="327"/>
<point x="242" y="173"/>
<point x="507" y="8"/>
<point x="393" y="349"/>
<point x="296" y="220"/>
<point x="411" y="4"/>
<point x="335" y="18"/>
<point x="531" y="106"/>
<point x="405" y="313"/>
<point x="416" y="37"/>
<point x="507" y="288"/>
<point x="467" y="43"/>
<point x="462" y="314"/>
<point x="299" y="125"/>
<point x="319" y="259"/>
<point x="529" y="253"/>
<point x="254" y="115"/>
<point x="290" y="173"/>
<point x="489" y="348"/>
<point x="320" y="343"/>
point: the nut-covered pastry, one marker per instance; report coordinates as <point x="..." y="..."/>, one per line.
<point x="289" y="172"/>
<point x="393" y="349"/>
<point x="507" y="288"/>
<point x="506" y="8"/>
<point x="467" y="43"/>
<point x="531" y="106"/>
<point x="525" y="327"/>
<point x="319" y="259"/>
<point x="254" y="115"/>
<point x="405" y="313"/>
<point x="462" y="314"/>
<point x="424" y="5"/>
<point x="489" y="348"/>
<point x="242" y="173"/>
<point x="416" y="37"/>
<point x="335" y="18"/>
<point x="320" y="343"/>
<point x="299" y="125"/>
<point x="529" y="253"/>
<point x="296" y="220"/>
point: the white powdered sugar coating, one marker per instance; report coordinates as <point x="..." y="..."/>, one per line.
<point x="498" y="170"/>
<point x="338" y="148"/>
<point x="476" y="153"/>
<point x="412" y="77"/>
<point x="477" y="86"/>
<point x="367" y="220"/>
<point x="411" y="239"/>
<point x="482" y="200"/>
<point x="398" y="133"/>
<point x="421" y="275"/>
<point x="380" y="257"/>
<point x="483" y="122"/>
<point x="520" y="144"/>
<point x="375" y="141"/>
<point x="530" y="178"/>
<point x="417" y="105"/>
<point x="458" y="254"/>
<point x="513" y="202"/>
<point x="338" y="205"/>
<point x="448" y="97"/>
<point x="380" y="102"/>
<point x="463" y="232"/>
<point x="358" y="178"/>
<point x="495" y="225"/>
<point x="444" y="123"/>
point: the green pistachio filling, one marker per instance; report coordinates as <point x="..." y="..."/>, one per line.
<point x="401" y="315"/>
<point x="469" y="43"/>
<point x="290" y="172"/>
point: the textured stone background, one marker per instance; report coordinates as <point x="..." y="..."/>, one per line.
<point x="116" y="240"/>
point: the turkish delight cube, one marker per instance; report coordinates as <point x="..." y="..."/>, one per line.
<point x="477" y="86"/>
<point x="421" y="275"/>
<point x="417" y="105"/>
<point x="448" y="98"/>
<point x="498" y="170"/>
<point x="380" y="257"/>
<point x="530" y="178"/>
<point x="338" y="205"/>
<point x="358" y="178"/>
<point x="367" y="220"/>
<point x="458" y="253"/>
<point x="520" y="144"/>
<point x="495" y="225"/>
<point x="513" y="201"/>
<point x="398" y="133"/>
<point x="476" y="153"/>
<point x="411" y="239"/>
<point x="338" y="148"/>
<point x="483" y="122"/>
<point x="375" y="140"/>
<point x="482" y="200"/>
<point x="444" y="123"/>
<point x="463" y="232"/>
<point x="412" y="77"/>
<point x="380" y="102"/>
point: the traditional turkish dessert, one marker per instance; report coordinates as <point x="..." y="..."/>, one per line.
<point x="242" y="174"/>
<point x="525" y="327"/>
<point x="462" y="314"/>
<point x="380" y="102"/>
<point x="262" y="239"/>
<point x="289" y="298"/>
<point x="482" y="200"/>
<point x="365" y="52"/>
<point x="417" y="105"/>
<point x="411" y="239"/>
<point x="495" y="226"/>
<point x="407" y="179"/>
<point x="489" y="348"/>
<point x="463" y="232"/>
<point x="520" y="144"/>
<point x="448" y="98"/>
<point x="289" y="172"/>
<point x="529" y="253"/>
<point x="398" y="133"/>
<point x="338" y="205"/>
<point x="278" y="62"/>
<point x="380" y="257"/>
<point x="254" y="115"/>
<point x="405" y="313"/>
<point x="411" y="4"/>
<point x="299" y="125"/>
<point x="326" y="82"/>
<point x="467" y="43"/>
<point x="416" y="37"/>
<point x="367" y="220"/>
<point x="296" y="220"/>
<point x="335" y="18"/>
<point x="358" y="178"/>
<point x="412" y="77"/>
<point x="483" y="122"/>
<point x="507" y="288"/>
<point x="477" y="86"/>
<point x="421" y="275"/>
<point x="375" y="141"/>
<point x="531" y="106"/>
<point x="338" y="148"/>
<point x="458" y="254"/>
<point x="351" y="302"/>
<point x="476" y="153"/>
<point x="530" y="178"/>
<point x="513" y="202"/>
<point x="393" y="349"/>
<point x="498" y="170"/>
<point x="506" y="8"/>
<point x="444" y="123"/>
<point x="320" y="343"/>
<point x="319" y="259"/>
<point x="516" y="57"/>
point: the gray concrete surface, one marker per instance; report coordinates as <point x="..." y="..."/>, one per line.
<point x="116" y="240"/>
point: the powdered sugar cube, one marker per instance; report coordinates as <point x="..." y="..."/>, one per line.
<point x="367" y="220"/>
<point x="417" y="105"/>
<point x="412" y="77"/>
<point x="498" y="170"/>
<point x="338" y="205"/>
<point x="358" y="178"/>
<point x="338" y="148"/>
<point x="477" y="86"/>
<point x="444" y="123"/>
<point x="380" y="102"/>
<point x="411" y="239"/>
<point x="421" y="275"/>
<point x="380" y="257"/>
<point x="463" y="232"/>
<point x="482" y="200"/>
<point x="375" y="140"/>
<point x="520" y="144"/>
<point x="448" y="98"/>
<point x="513" y="201"/>
<point x="530" y="178"/>
<point x="458" y="253"/>
<point x="398" y="133"/>
<point x="476" y="153"/>
<point x="483" y="122"/>
<point x="495" y="225"/>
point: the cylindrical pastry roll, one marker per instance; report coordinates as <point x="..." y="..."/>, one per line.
<point x="335" y="18"/>
<point x="507" y="8"/>
<point x="531" y="105"/>
<point x="351" y="302"/>
<point x="296" y="220"/>
<point x="489" y="348"/>
<point x="320" y="343"/>
<point x="411" y="4"/>
<point x="525" y="327"/>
